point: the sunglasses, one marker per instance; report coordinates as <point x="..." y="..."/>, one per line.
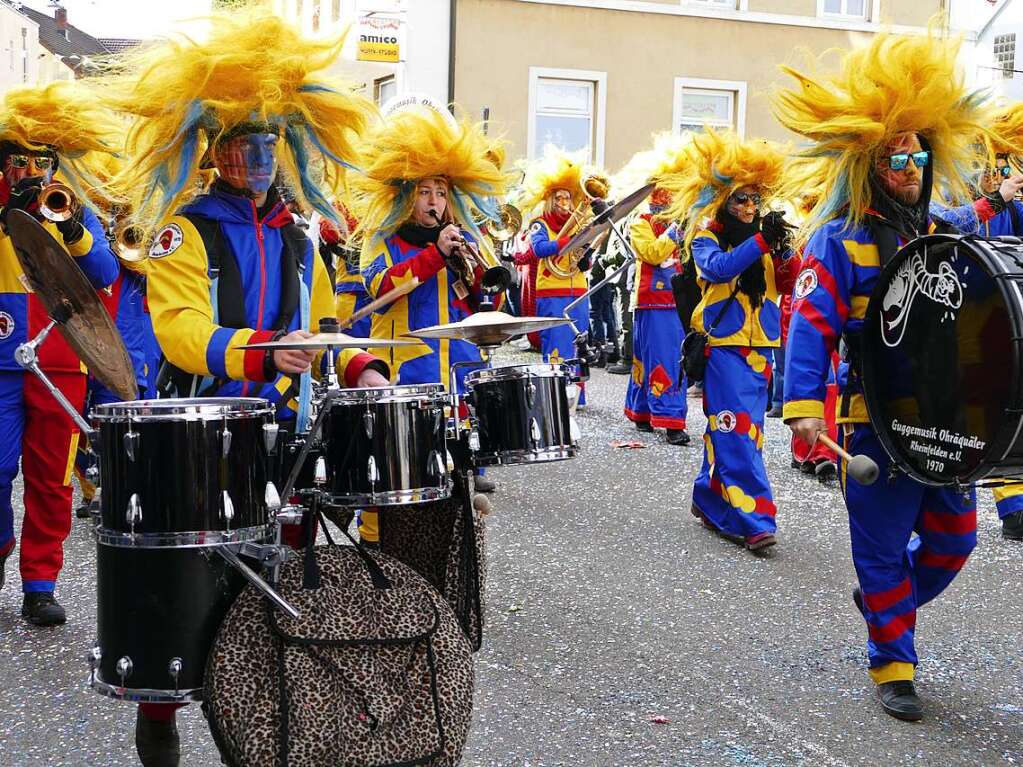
<point x="742" y="198"/>
<point x="901" y="161"/>
<point x="1005" y="171"/>
<point x="21" y="161"/>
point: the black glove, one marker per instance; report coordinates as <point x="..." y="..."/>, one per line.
<point x="587" y="260"/>
<point x="72" y="229"/>
<point x="997" y="201"/>
<point x="774" y="230"/>
<point x="23" y="196"/>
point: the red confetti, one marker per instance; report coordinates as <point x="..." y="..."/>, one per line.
<point x="658" y="719"/>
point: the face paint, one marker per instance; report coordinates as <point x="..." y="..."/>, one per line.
<point x="248" y="162"/>
<point x="905" y="184"/>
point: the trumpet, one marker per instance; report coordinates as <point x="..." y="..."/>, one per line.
<point x="128" y="245"/>
<point x="594" y="188"/>
<point x="496" y="276"/>
<point x="57" y="202"/>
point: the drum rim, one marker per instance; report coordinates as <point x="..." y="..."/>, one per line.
<point x="402" y="393"/>
<point x="184" y="409"/>
<point x="1003" y="440"/>
<point x="524" y="457"/>
<point x="518" y="372"/>
<point x="143" y="694"/>
<point x="393" y="497"/>
<point x="191" y="539"/>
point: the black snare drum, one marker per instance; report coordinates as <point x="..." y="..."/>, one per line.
<point x="522" y="414"/>
<point x="942" y="358"/>
<point x="180" y="472"/>
<point x="158" y="611"/>
<point x="387" y="446"/>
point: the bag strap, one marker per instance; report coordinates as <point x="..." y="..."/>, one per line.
<point x="724" y="308"/>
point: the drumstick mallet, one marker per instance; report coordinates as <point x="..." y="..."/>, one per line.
<point x="860" y="467"/>
<point x="386" y="299"/>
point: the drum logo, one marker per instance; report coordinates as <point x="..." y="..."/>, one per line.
<point x="725" y="421"/>
<point x="911" y="279"/>
<point x="167" y="241"/>
<point x="6" y="325"/>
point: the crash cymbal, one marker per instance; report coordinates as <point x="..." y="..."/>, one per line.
<point x="71" y="299"/>
<point x="603" y="222"/>
<point x="336" y="340"/>
<point x="489" y="328"/>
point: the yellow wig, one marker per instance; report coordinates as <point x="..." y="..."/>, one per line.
<point x="254" y="72"/>
<point x="666" y="158"/>
<point x="555" y="170"/>
<point x="712" y="167"/>
<point x="63" y="118"/>
<point x="1007" y="130"/>
<point x="895" y="85"/>
<point x="412" y="145"/>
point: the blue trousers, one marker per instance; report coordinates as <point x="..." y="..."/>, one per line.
<point x="602" y="316"/>
<point x="558" y="344"/>
<point x="657" y="388"/>
<point x="732" y="489"/>
<point x="897" y="570"/>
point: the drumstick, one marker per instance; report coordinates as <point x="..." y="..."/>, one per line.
<point x="860" y="467"/>
<point x="389" y="297"/>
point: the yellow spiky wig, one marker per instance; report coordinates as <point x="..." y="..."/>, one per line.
<point x="1006" y="136"/>
<point x="557" y="169"/>
<point x="414" y="144"/>
<point x="63" y="118"/>
<point x="666" y="158"/>
<point x="895" y="85"/>
<point x="253" y="71"/>
<point x="712" y="166"/>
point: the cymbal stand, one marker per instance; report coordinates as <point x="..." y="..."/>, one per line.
<point x="630" y="259"/>
<point x="486" y="355"/>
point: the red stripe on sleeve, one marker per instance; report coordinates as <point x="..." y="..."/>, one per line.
<point x="253" y="359"/>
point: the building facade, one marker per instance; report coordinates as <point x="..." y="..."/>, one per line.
<point x="606" y="74"/>
<point x="996" y="60"/>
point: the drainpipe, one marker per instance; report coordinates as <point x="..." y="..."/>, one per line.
<point x="452" y="26"/>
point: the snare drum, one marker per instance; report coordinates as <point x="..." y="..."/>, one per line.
<point x="522" y="414"/>
<point x="387" y="446"/>
<point x="184" y="472"/>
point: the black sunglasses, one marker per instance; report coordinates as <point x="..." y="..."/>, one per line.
<point x="743" y="197"/>
<point x="901" y="161"/>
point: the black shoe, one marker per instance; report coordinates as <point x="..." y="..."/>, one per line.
<point x="677" y="437"/>
<point x="601" y="360"/>
<point x="157" y="743"/>
<point x="808" y="467"/>
<point x="41" y="609"/>
<point x="899" y="699"/>
<point x="613" y="357"/>
<point x="774" y="412"/>
<point x="485" y="485"/>
<point x="82" y="512"/>
<point x="644" y="426"/>
<point x="3" y="564"/>
<point x="622" y="368"/>
<point x="1012" y="526"/>
<point x="825" y="470"/>
<point x="797" y="464"/>
<point x="858" y="600"/>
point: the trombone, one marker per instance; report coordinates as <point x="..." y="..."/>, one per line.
<point x="594" y="187"/>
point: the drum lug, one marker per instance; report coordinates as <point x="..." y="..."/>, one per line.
<point x="290" y="515"/>
<point x="131" y="444"/>
<point x="372" y="473"/>
<point x="228" y="506"/>
<point x="272" y="499"/>
<point x="320" y="472"/>
<point x="123" y="668"/>
<point x="530" y="393"/>
<point x="439" y="421"/>
<point x="436" y="464"/>
<point x="134" y="513"/>
<point x="270" y="431"/>
<point x="474" y="440"/>
<point x="174" y="669"/>
<point x="534" y="431"/>
<point x="367" y="423"/>
<point x="225" y="441"/>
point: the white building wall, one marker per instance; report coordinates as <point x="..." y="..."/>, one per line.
<point x="19" y="50"/>
<point x="1009" y="21"/>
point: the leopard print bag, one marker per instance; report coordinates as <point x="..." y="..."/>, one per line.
<point x="375" y="671"/>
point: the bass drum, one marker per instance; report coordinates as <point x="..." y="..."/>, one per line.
<point x="942" y="356"/>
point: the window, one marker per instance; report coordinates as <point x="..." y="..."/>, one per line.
<point x="850" y="9"/>
<point x="714" y="103"/>
<point x="566" y="109"/>
<point x="729" y="4"/>
<point x="1005" y="54"/>
<point x="385" y="89"/>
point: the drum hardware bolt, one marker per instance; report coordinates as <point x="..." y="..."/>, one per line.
<point x="534" y="431"/>
<point x="174" y="669"/>
<point x="225" y="437"/>
<point x="530" y="393"/>
<point x="131" y="444"/>
<point x="436" y="464"/>
<point x="272" y="498"/>
<point x="290" y="515"/>
<point x="320" y="472"/>
<point x="134" y="513"/>
<point x="367" y="423"/>
<point x="123" y="668"/>
<point x="228" y="506"/>
<point x="372" y="473"/>
<point x="270" y="431"/>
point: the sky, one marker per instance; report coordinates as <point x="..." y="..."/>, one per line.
<point x="126" y="18"/>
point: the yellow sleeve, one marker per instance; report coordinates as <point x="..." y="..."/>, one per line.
<point x="650" y="248"/>
<point x="374" y="261"/>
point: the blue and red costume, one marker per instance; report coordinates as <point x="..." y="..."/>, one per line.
<point x="657" y="388"/>
<point x="897" y="571"/>
<point x="732" y="490"/>
<point x="555" y="292"/>
<point x="35" y="428"/>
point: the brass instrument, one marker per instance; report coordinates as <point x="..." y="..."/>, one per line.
<point x="594" y="187"/>
<point x="496" y="276"/>
<point x="507" y="226"/>
<point x="129" y="240"/>
<point x="57" y="202"/>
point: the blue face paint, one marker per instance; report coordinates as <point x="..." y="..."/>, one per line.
<point x="249" y="161"/>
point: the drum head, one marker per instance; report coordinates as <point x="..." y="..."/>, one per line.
<point x="940" y="363"/>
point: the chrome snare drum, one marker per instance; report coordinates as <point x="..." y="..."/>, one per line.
<point x="387" y="446"/>
<point x="522" y="414"/>
<point x="184" y="472"/>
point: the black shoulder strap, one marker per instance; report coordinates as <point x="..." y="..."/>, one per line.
<point x="223" y="265"/>
<point x="724" y="308"/>
<point x="296" y="244"/>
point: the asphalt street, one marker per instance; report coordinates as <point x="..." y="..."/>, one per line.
<point x="620" y="632"/>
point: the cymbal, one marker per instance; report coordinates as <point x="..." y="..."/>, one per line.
<point x="603" y="222"/>
<point x="489" y="328"/>
<point x="64" y="290"/>
<point x="336" y="340"/>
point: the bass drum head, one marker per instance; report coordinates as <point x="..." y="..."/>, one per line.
<point x="940" y="363"/>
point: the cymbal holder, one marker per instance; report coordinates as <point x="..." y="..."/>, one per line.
<point x="630" y="259"/>
<point x="486" y="354"/>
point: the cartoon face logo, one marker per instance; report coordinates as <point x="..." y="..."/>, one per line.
<point x="806" y="283"/>
<point x="167" y="241"/>
<point x="660" y="381"/>
<point x="726" y="421"/>
<point x="6" y="325"/>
